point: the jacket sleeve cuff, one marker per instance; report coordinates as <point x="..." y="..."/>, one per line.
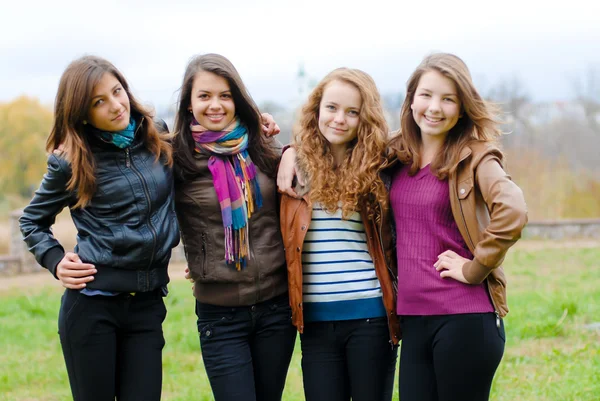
<point x="475" y="272"/>
<point x="52" y="258"/>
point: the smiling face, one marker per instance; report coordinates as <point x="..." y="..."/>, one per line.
<point x="339" y="114"/>
<point x="211" y="102"/>
<point x="109" y="108"/>
<point x="436" y="105"/>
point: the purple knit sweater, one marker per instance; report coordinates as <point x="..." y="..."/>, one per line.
<point x="425" y="228"/>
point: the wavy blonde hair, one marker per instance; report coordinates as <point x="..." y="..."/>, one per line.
<point x="356" y="180"/>
<point x="479" y="121"/>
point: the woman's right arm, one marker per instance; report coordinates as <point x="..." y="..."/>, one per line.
<point x="38" y="217"/>
<point x="287" y="171"/>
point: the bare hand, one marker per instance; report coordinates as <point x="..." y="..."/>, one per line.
<point x="188" y="276"/>
<point x="450" y="264"/>
<point x="287" y="172"/>
<point x="73" y="273"/>
<point x="269" y="126"/>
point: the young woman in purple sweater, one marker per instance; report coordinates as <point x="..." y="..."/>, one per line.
<point x="456" y="213"/>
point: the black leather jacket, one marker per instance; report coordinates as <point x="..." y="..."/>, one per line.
<point x="127" y="230"/>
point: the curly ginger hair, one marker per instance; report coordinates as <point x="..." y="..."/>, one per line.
<point x="356" y="180"/>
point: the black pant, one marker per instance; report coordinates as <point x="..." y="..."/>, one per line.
<point x="348" y="359"/>
<point x="247" y="350"/>
<point x="113" y="345"/>
<point x="449" y="358"/>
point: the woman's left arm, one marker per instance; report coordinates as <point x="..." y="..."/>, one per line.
<point x="508" y="217"/>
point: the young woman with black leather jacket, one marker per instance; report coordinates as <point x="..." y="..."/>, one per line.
<point x="111" y="165"/>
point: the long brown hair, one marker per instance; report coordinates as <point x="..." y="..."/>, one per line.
<point x="357" y="179"/>
<point x="479" y="121"/>
<point x="69" y="134"/>
<point x="260" y="147"/>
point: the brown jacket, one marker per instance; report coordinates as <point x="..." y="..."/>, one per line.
<point x="490" y="212"/>
<point x="202" y="234"/>
<point x="295" y="220"/>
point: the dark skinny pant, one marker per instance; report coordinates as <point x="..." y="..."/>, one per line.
<point x="113" y="345"/>
<point x="348" y="359"/>
<point x="247" y="350"/>
<point x="449" y="358"/>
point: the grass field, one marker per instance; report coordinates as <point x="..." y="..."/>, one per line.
<point x="554" y="292"/>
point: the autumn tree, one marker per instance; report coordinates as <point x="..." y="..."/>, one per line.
<point x="24" y="126"/>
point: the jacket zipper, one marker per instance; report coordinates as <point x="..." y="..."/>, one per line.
<point x="127" y="155"/>
<point x="149" y="219"/>
<point x="464" y="221"/>
<point x="204" y="250"/>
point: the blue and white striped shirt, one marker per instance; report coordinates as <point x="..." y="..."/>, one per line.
<point x="339" y="278"/>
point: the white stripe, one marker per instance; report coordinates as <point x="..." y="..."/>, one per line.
<point x="336" y="245"/>
<point x="356" y="286"/>
<point x="335" y="235"/>
<point x="341" y="297"/>
<point x="339" y="223"/>
<point x="320" y="213"/>
<point x="338" y="267"/>
<point x="329" y="278"/>
<point x="333" y="257"/>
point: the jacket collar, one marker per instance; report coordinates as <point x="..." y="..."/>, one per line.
<point x="99" y="145"/>
<point x="464" y="153"/>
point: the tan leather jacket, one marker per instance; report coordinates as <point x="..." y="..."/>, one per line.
<point x="295" y="220"/>
<point x="490" y="212"/>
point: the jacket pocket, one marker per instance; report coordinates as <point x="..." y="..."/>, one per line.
<point x="465" y="188"/>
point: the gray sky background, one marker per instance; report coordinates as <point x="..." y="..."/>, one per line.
<point x="545" y="44"/>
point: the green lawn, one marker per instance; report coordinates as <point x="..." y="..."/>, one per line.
<point x="550" y="355"/>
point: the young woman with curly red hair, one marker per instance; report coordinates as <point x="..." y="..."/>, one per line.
<point x="338" y="247"/>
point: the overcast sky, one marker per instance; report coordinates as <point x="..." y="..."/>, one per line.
<point x="545" y="46"/>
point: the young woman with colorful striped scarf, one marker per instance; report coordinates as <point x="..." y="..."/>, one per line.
<point x="227" y="207"/>
<point x="338" y="243"/>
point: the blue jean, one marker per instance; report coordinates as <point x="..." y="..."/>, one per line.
<point x="348" y="359"/>
<point x="113" y="345"/>
<point x="247" y="350"/>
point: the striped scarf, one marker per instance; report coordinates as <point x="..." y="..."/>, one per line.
<point x="235" y="182"/>
<point x="121" y="139"/>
